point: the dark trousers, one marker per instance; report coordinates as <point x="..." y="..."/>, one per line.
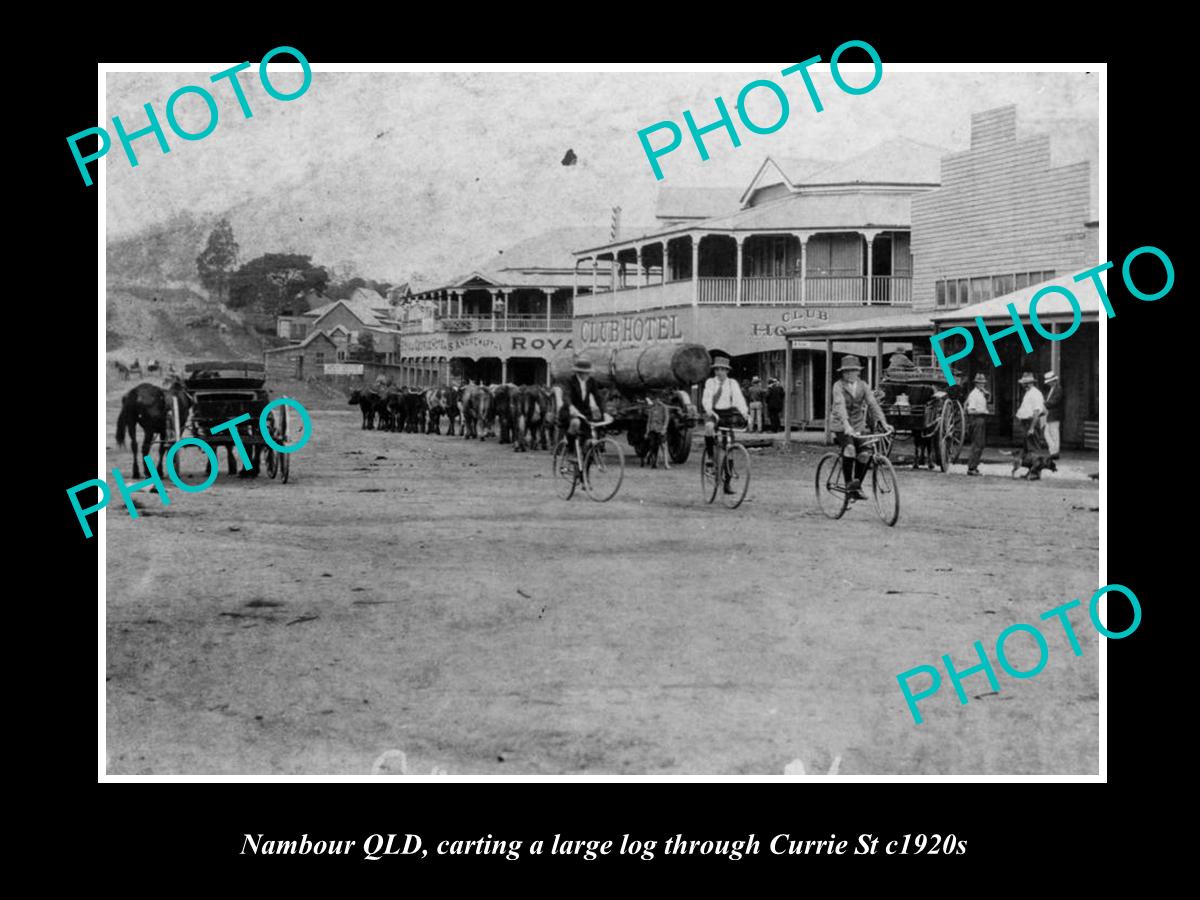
<point x="978" y="425"/>
<point x="774" y="415"/>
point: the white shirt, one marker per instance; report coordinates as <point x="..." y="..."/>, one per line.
<point x="977" y="401"/>
<point x="731" y="396"/>
<point x="1032" y="404"/>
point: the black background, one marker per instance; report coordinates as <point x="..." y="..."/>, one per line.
<point x="198" y="830"/>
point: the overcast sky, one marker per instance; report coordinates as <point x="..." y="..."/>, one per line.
<point x="486" y="147"/>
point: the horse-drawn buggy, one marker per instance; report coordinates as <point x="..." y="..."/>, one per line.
<point x="647" y="393"/>
<point x="212" y="393"/>
<point x="918" y="402"/>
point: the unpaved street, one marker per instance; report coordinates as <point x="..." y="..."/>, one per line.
<point x="433" y="595"/>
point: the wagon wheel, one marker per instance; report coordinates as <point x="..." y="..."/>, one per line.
<point x="679" y="441"/>
<point x="952" y="432"/>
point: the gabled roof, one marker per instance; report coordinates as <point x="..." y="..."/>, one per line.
<point x="359" y="309"/>
<point x="695" y="202"/>
<point x="313" y="335"/>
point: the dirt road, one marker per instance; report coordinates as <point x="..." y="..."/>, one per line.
<point x="432" y="595"/>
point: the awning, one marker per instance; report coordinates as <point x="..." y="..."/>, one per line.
<point x="1053" y="307"/>
<point x="902" y="325"/>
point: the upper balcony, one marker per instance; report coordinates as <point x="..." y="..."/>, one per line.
<point x="844" y="268"/>
<point x="458" y="324"/>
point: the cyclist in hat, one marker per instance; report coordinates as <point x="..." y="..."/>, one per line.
<point x="723" y="405"/>
<point x="851" y="401"/>
<point x="582" y="404"/>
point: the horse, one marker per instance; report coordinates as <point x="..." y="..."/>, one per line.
<point x="153" y="366"/>
<point x="150" y="407"/>
<point x="122" y="369"/>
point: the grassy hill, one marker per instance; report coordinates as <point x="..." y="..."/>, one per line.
<point x="176" y="324"/>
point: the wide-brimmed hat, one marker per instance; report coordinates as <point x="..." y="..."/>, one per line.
<point x="1027" y="378"/>
<point x="1050" y="376"/>
<point x="720" y="362"/>
<point x="851" y="363"/>
<point x="754" y="379"/>
<point x="980" y="378"/>
<point x="583" y="365"/>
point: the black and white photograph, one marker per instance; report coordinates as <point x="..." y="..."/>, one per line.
<point x="594" y="421"/>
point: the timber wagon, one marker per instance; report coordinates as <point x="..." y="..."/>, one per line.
<point x="634" y="380"/>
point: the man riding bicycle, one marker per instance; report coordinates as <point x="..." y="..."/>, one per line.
<point x="851" y="401"/>
<point x="724" y="406"/>
<point x="581" y="406"/>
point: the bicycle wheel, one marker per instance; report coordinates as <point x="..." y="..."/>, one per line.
<point x="565" y="474"/>
<point x="735" y="476"/>
<point x="708" y="477"/>
<point x="603" y="470"/>
<point x="831" y="486"/>
<point x="885" y="490"/>
<point x="272" y="462"/>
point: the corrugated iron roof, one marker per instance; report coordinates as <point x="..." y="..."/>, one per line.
<point x="694" y="203"/>
<point x="896" y="161"/>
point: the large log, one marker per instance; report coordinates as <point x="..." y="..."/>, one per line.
<point x="634" y="370"/>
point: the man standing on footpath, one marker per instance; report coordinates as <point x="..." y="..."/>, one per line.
<point x="1054" y="402"/>
<point x="977" y="412"/>
<point x="1030" y="416"/>
<point x="755" y="396"/>
<point x="775" y="403"/>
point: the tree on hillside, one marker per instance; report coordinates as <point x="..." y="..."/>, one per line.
<point x="365" y="347"/>
<point x="268" y="283"/>
<point x="218" y="259"/>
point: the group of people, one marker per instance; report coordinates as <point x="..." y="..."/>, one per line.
<point x="1039" y="417"/>
<point x="770" y="399"/>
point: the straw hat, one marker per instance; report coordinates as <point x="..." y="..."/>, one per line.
<point x="850" y="363"/>
<point x="720" y="362"/>
<point x="980" y="378"/>
<point x="1050" y="376"/>
<point x="1027" y="378"/>
<point x="583" y="365"/>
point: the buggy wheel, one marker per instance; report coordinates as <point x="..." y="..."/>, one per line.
<point x="832" y="496"/>
<point x="565" y="470"/>
<point x="603" y="470"/>
<point x="708" y="476"/>
<point x="885" y="490"/>
<point x="272" y="462"/>
<point x="679" y="442"/>
<point x="953" y="433"/>
<point x="285" y="467"/>
<point x="735" y="474"/>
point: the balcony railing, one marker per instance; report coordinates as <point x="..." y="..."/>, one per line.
<point x="816" y="290"/>
<point x="487" y="323"/>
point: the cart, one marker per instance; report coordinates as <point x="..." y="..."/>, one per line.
<point x="630" y="411"/>
<point x="222" y="390"/>
<point x="919" y="403"/>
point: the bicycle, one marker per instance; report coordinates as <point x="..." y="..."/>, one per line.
<point x="733" y="471"/>
<point x="832" y="494"/>
<point x="599" y="465"/>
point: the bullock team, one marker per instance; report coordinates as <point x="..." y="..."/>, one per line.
<point x="523" y="415"/>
